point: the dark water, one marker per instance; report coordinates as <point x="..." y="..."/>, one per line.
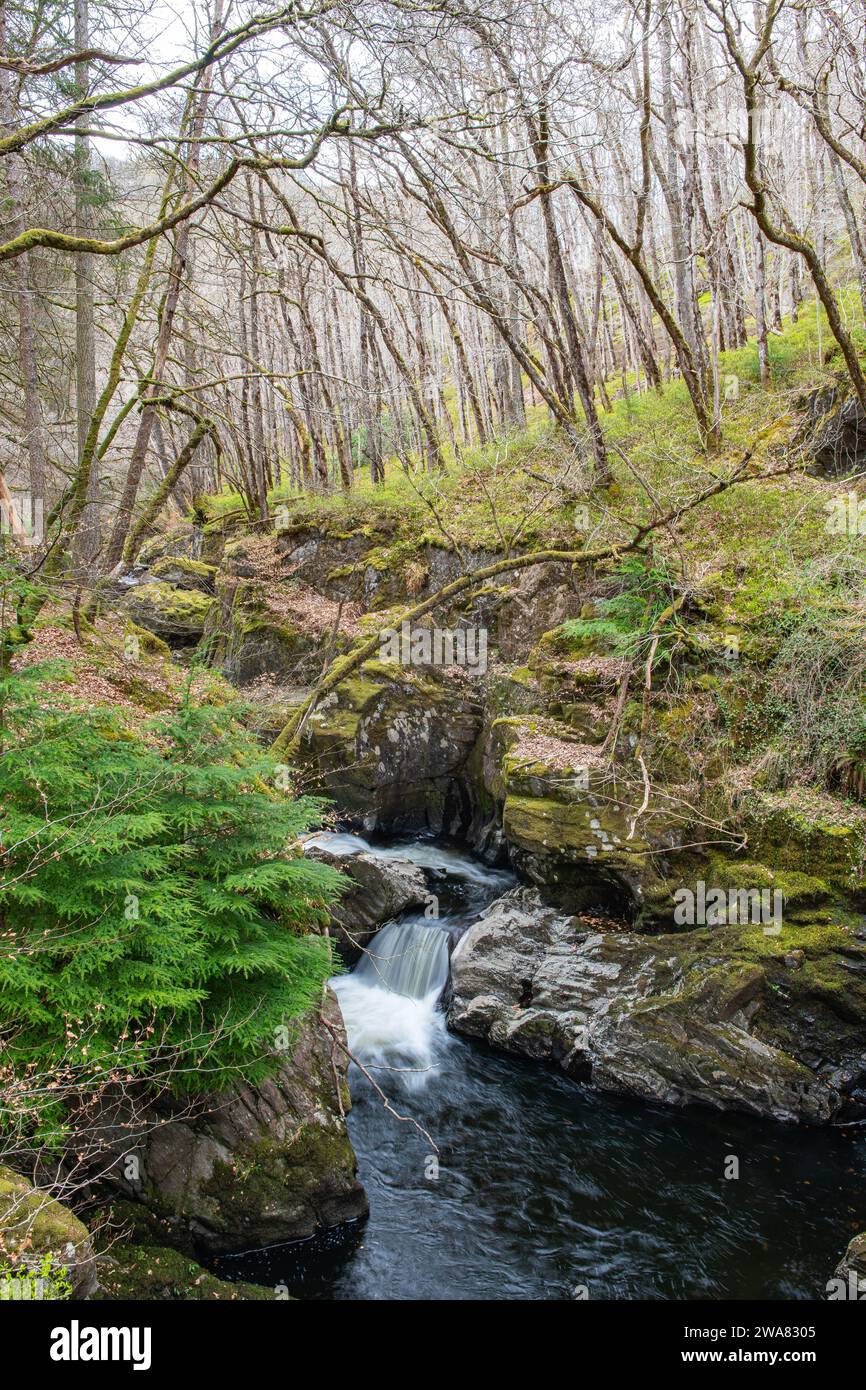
<point x="544" y="1187"/>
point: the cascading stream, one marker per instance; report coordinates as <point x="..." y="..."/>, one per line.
<point x="407" y="958"/>
<point x="540" y="1187"/>
<point x="390" y="1001"/>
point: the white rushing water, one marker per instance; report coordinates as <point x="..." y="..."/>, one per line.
<point x="390" y="1001"/>
<point x="421" y="852"/>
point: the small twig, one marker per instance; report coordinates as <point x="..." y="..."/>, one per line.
<point x="404" y="1119"/>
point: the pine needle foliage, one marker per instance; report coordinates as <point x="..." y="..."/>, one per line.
<point x="155" y="911"/>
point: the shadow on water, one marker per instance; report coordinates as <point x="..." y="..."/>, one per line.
<point x="542" y="1188"/>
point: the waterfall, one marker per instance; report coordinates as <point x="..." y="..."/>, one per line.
<point x="409" y="958"/>
<point x="390" y="1001"/>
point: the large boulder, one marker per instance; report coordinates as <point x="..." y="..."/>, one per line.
<point x="184" y="573"/>
<point x="730" y="1018"/>
<point x="381" y="889"/>
<point x="580" y="832"/>
<point x="176" y="615"/>
<point x="256" y="1165"/>
<point x="41" y="1242"/>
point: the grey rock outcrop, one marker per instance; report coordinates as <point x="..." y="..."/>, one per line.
<point x="381" y="890"/>
<point x="668" y="1018"/>
<point x="253" y="1167"/>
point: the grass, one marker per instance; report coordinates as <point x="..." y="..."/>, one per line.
<point x="509" y="487"/>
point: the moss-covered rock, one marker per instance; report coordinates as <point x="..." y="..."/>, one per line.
<point x="148" y="642"/>
<point x="185" y="573"/>
<point x="256" y="1165"/>
<point x="181" y="540"/>
<point x="176" y="615"/>
<point x="33" y="1226"/>
<point x="250" y="639"/>
<point x="145" y="1273"/>
<point x="802" y="829"/>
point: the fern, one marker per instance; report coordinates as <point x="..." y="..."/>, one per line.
<point x="628" y="617"/>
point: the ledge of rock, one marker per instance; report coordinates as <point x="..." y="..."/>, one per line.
<point x="262" y="1164"/>
<point x="715" y="1017"/>
<point x="381" y="890"/>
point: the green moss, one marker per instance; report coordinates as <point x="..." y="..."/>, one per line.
<point x="140" y="692"/>
<point x="296" y="1170"/>
<point x="188" y="607"/>
<point x="149" y="643"/>
<point x="183" y="572"/>
<point x="33" y="1223"/>
<point x="146" y="1273"/>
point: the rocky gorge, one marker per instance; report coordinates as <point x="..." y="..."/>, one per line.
<point x="606" y="798"/>
<point x="532" y="764"/>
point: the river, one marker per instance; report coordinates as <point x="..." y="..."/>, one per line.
<point x="539" y="1188"/>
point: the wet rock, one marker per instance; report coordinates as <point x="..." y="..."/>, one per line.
<point x="690" y="1018"/>
<point x="381" y="890"/>
<point x="34" y="1225"/>
<point x="256" y="1165"/>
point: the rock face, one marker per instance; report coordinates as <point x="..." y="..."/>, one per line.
<point x="534" y="601"/>
<point x="34" y="1225"/>
<point x="836" y="432"/>
<point x="381" y="890"/>
<point x="688" y="1018"/>
<point x="392" y="744"/>
<point x="262" y="1164"/>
